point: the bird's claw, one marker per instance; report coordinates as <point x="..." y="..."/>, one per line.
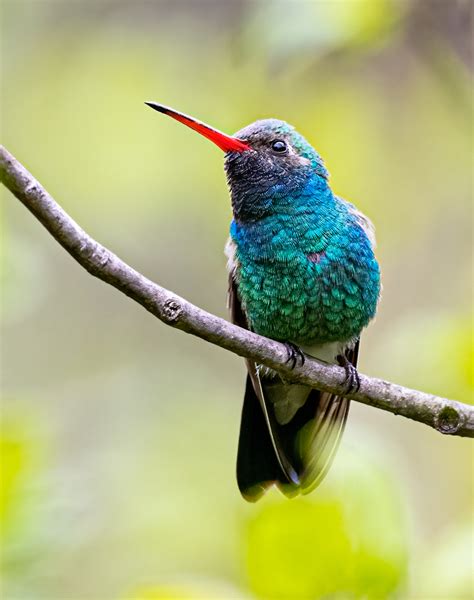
<point x="295" y="355"/>
<point x="352" y="375"/>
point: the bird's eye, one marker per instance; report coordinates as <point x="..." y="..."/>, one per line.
<point x="279" y="146"/>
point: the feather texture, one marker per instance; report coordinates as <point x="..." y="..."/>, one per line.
<point x="302" y="270"/>
<point x="293" y="453"/>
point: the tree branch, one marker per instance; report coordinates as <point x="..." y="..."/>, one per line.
<point x="446" y="416"/>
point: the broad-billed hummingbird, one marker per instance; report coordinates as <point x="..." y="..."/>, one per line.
<point x="302" y="271"/>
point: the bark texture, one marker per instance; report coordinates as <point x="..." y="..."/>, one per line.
<point x="446" y="416"/>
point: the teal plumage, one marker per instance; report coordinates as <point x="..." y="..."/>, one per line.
<point x="302" y="271"/>
<point x="310" y="277"/>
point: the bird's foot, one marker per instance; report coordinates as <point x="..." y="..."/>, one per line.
<point x="352" y="376"/>
<point x="295" y="355"/>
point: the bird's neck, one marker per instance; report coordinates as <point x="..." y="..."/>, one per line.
<point x="297" y="195"/>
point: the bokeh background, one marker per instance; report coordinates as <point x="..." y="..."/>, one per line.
<point x="119" y="434"/>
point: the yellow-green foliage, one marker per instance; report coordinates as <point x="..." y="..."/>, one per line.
<point x="136" y="495"/>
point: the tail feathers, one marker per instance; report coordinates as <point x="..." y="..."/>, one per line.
<point x="307" y="443"/>
<point x="257" y="465"/>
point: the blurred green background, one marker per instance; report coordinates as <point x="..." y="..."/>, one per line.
<point x="119" y="434"/>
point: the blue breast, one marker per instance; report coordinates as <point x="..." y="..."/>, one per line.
<point x="307" y="274"/>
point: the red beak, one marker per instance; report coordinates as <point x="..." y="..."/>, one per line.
<point x="225" y="142"/>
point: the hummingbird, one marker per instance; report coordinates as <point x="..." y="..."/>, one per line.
<point x="302" y="271"/>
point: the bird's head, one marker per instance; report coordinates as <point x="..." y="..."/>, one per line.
<point x="268" y="163"/>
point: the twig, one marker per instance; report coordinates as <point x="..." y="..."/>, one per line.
<point x="446" y="416"/>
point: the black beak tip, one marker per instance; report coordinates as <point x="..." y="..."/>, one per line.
<point x="155" y="106"/>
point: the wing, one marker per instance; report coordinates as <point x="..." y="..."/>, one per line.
<point x="364" y="221"/>
<point x="258" y="463"/>
<point x="261" y="458"/>
<point x="318" y="439"/>
<point x="296" y="454"/>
